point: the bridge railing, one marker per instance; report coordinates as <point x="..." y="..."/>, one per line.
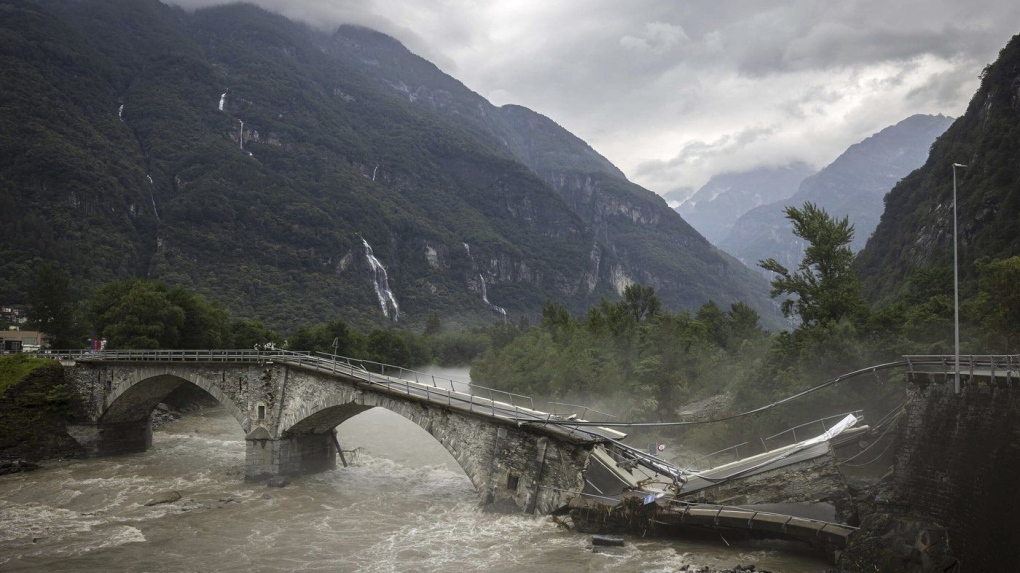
<point x="706" y="462"/>
<point x="992" y="365"/>
<point x="167" y="355"/>
<point x="497" y="403"/>
<point x="473" y="394"/>
<point x="859" y="414"/>
<point x="563" y="410"/>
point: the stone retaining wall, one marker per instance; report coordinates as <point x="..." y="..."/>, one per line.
<point x="958" y="465"/>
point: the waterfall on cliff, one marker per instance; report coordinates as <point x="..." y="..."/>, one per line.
<point x="485" y="297"/>
<point x="153" y="198"/>
<point x="381" y="283"/>
<point x="467" y="248"/>
<point x="240" y="137"/>
<point x="120" y="112"/>
<point x="223" y="100"/>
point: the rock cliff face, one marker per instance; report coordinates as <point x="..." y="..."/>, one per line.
<point x="639" y="238"/>
<point x="851" y="186"/>
<point x="916" y="228"/>
<point x="249" y="158"/>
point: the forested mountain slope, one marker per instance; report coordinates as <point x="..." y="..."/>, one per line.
<point x="916" y="228"/>
<point x="642" y="239"/>
<point x="251" y="159"/>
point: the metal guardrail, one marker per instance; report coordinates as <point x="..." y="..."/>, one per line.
<point x="736" y="455"/>
<point x="480" y="399"/>
<point x="994" y="365"/>
<point x="859" y="414"/>
<point x="578" y="411"/>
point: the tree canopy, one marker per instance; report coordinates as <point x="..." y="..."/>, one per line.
<point x="825" y="288"/>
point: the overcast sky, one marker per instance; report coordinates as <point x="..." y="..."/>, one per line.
<point x="674" y="92"/>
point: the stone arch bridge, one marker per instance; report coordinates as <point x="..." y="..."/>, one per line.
<point x="289" y="404"/>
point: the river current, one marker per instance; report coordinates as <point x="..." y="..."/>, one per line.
<point x="403" y="505"/>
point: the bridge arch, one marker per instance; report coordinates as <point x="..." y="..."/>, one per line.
<point x="134" y="400"/>
<point x="330" y="411"/>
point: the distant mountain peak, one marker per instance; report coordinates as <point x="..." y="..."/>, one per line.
<point x="716" y="206"/>
<point x="851" y="186"/>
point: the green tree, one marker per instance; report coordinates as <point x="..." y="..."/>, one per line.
<point x="745" y="323"/>
<point x="322" y="337"/>
<point x="138" y="313"/>
<point x="246" y="334"/>
<point x="432" y="324"/>
<point x="1000" y="300"/>
<point x="397" y="348"/>
<point x="52" y="308"/>
<point x="556" y="317"/>
<point x="641" y="301"/>
<point x="826" y="287"/>
<point x="672" y="347"/>
<point x="206" y="324"/>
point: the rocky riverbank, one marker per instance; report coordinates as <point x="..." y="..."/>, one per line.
<point x="16" y="466"/>
<point x="34" y="413"/>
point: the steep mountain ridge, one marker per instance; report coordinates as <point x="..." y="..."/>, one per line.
<point x="916" y="228"/>
<point x="251" y="159"/>
<point x="851" y="186"/>
<point x="640" y="239"/>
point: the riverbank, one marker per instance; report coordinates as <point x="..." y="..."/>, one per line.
<point x="35" y="408"/>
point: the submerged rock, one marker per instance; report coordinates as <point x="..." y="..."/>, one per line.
<point x="168" y="497"/>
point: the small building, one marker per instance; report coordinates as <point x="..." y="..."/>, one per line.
<point x="17" y="340"/>
<point x="13" y="315"/>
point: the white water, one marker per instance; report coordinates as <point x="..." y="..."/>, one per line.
<point x="381" y="283"/>
<point x="153" y="199"/>
<point x="485" y="297"/>
<point x="240" y="137"/>
<point x="467" y="248"/>
<point x="223" y="100"/>
<point x="120" y="112"/>
<point x="403" y="505"/>
<point x="374" y="171"/>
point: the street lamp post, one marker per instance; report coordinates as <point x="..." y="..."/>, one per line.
<point x="956" y="284"/>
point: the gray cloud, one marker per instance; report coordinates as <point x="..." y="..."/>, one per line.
<point x="674" y="93"/>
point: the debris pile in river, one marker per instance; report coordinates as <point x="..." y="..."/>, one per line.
<point x="16" y="466"/>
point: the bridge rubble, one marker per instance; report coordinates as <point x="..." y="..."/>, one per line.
<point x="628" y="491"/>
